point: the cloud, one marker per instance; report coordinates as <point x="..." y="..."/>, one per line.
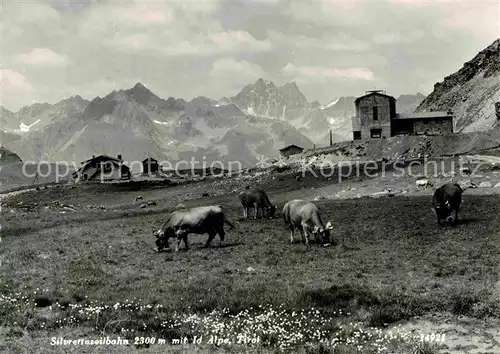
<point x="330" y="13"/>
<point x="71" y="5"/>
<point x="23" y="20"/>
<point x="167" y="29"/>
<point x="215" y="47"/>
<point x="335" y="43"/>
<point x="228" y="76"/>
<point x="481" y="19"/>
<point x="222" y="43"/>
<point x="240" y="71"/>
<point x="317" y="73"/>
<point x="147" y="13"/>
<point x="239" y="41"/>
<point x="203" y="7"/>
<point x="13" y="81"/>
<point x="32" y="12"/>
<point x="398" y="37"/>
<point x="15" y="88"/>
<point x="135" y="41"/>
<point x="43" y="57"/>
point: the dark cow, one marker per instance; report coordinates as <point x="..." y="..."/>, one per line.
<point x="198" y="220"/>
<point x="305" y="216"/>
<point x="258" y="199"/>
<point x="446" y="202"/>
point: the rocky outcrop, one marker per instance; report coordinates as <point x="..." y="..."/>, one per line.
<point x="471" y="93"/>
<point x="8" y="157"/>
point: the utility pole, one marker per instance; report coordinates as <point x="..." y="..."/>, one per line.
<point x="331" y="138"/>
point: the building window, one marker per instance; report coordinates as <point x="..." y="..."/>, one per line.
<point x="375" y="113"/>
<point x="376" y="133"/>
<point x="106" y="167"/>
<point x="356" y="135"/>
<point x="364" y="114"/>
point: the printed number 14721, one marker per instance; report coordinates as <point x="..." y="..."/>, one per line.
<point x="432" y="337"/>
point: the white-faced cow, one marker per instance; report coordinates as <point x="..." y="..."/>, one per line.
<point x="303" y="215"/>
<point x="257" y="199"/>
<point x="198" y="220"/>
<point x="446" y="202"/>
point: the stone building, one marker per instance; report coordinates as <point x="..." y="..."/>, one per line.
<point x="291" y="150"/>
<point x="376" y="117"/>
<point x="150" y="166"/>
<point x="102" y="168"/>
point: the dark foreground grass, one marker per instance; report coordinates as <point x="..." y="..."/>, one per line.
<point x="391" y="262"/>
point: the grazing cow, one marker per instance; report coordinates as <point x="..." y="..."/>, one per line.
<point x="258" y="199"/>
<point x="305" y="216"/>
<point x="198" y="220"/>
<point x="446" y="201"/>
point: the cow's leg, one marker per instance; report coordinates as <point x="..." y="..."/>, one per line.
<point x="211" y="236"/>
<point x="185" y="239"/>
<point x="301" y="234"/>
<point x="222" y="234"/>
<point x="256" y="206"/>
<point x="181" y="235"/>
<point x="305" y="234"/>
<point x="455" y="216"/>
<point x="245" y="212"/>
<point x="178" y="243"/>
<point x="292" y="232"/>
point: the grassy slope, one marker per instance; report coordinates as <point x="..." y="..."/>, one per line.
<point x="391" y="262"/>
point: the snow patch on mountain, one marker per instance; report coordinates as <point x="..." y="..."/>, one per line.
<point x="333" y="103"/>
<point x="23" y="128"/>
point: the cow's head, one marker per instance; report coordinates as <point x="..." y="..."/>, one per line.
<point x="323" y="232"/>
<point x="443" y="210"/>
<point x="162" y="239"/>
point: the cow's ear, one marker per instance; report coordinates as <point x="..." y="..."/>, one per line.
<point x="329" y="226"/>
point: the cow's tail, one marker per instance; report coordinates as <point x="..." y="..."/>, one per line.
<point x="226" y="221"/>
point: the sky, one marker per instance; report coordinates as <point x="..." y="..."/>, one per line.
<point x="51" y="50"/>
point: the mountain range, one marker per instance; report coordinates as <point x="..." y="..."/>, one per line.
<point x="136" y="123"/>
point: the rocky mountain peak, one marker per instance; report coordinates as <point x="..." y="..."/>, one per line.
<point x="76" y="101"/>
<point x="471" y="92"/>
<point x="141" y="93"/>
<point x="176" y="104"/>
<point x="139" y="86"/>
<point x="291" y="91"/>
<point x="264" y="83"/>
